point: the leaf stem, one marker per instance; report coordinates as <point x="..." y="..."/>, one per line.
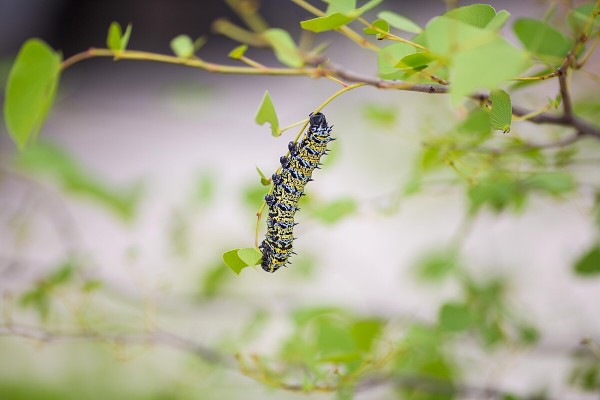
<point x="345" y="30"/>
<point x="391" y="36"/>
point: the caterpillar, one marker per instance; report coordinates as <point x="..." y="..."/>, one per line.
<point x="288" y="186"/>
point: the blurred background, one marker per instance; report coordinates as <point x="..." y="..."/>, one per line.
<point x="112" y="231"/>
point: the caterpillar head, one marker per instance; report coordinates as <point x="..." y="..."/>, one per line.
<point x="318" y="120"/>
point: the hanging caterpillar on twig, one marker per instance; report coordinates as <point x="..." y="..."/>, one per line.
<point x="288" y="187"/>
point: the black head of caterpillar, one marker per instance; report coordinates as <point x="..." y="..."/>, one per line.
<point x="288" y="186"/>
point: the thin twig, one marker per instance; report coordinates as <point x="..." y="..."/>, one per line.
<point x="146" y="338"/>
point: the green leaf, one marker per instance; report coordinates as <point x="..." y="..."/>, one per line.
<point x="365" y="332"/>
<point x="555" y="183"/>
<point x="416" y="60"/>
<point x="62" y="275"/>
<point x="389" y="57"/>
<point x="250" y="255"/>
<point x="238" y="259"/>
<point x="238" y="52"/>
<point x="541" y="38"/>
<point x="30" y="90"/>
<point x="327" y="23"/>
<point x="485" y="67"/>
<point x="266" y="113"/>
<point x="400" y="22"/>
<point x="498" y="21"/>
<point x="477" y="124"/>
<point x="182" y="46"/>
<point x="263" y="179"/>
<point x="116" y="39"/>
<point x="501" y="112"/>
<point x="113" y="40"/>
<point x="478" y="58"/>
<point x="431" y="157"/>
<point x="437" y="265"/>
<point x="335" y="211"/>
<point x="589" y="263"/>
<point x="334" y="341"/>
<point x="340" y="6"/>
<point x="49" y="160"/>
<point x="378" y="24"/>
<point x="125" y="37"/>
<point x="284" y="47"/>
<point x="455" y="317"/>
<point x="498" y="191"/>
<point x="478" y="15"/>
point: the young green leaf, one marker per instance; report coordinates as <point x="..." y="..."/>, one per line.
<point x="125" y="37"/>
<point x="479" y="58"/>
<point x="266" y="113"/>
<point x="115" y="33"/>
<point x="340" y="6"/>
<point x="30" y="90"/>
<point x="478" y="15"/>
<point x="501" y="113"/>
<point x="339" y="13"/>
<point x="554" y="184"/>
<point x="250" y="255"/>
<point x="400" y="22"/>
<point x="182" y="46"/>
<point x="497" y="191"/>
<point x="416" y="60"/>
<point x="377" y="27"/>
<point x="540" y="38"/>
<point x="589" y="263"/>
<point x="238" y="52"/>
<point x="116" y="39"/>
<point x="327" y="23"/>
<point x="455" y="317"/>
<point x="477" y="125"/>
<point x="263" y="179"/>
<point x="238" y="259"/>
<point x="284" y="47"/>
<point x="333" y="339"/>
<point x="365" y="332"/>
<point x="388" y="58"/>
<point x="498" y="21"/>
<point x="437" y="265"/>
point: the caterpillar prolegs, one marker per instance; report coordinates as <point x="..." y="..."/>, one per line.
<point x="288" y="187"/>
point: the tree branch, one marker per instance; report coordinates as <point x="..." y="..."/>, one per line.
<point x="152" y="337"/>
<point x="329" y="69"/>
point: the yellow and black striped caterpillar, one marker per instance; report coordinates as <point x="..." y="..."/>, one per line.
<point x="288" y="187"/>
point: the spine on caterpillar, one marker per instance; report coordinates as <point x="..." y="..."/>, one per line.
<point x="288" y="186"/>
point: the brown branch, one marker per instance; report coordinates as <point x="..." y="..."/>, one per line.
<point x="323" y="69"/>
<point x="147" y="338"/>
